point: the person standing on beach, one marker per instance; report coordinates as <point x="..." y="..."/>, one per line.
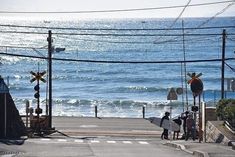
<point x="179" y="122"/>
<point x="190" y="123"/>
<point x="165" y="131"/>
<point x="184" y="117"/>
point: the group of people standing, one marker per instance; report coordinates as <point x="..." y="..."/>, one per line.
<point x="188" y="126"/>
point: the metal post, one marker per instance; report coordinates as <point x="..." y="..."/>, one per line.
<point x="49" y="39"/>
<point x="38" y="103"/>
<point x="170" y="124"/>
<point x="5" y="124"/>
<point x="27" y="113"/>
<point x="96" y="111"/>
<point x="223" y="62"/>
<point x="199" y="121"/>
<point x="143" y="111"/>
<point x="204" y="121"/>
<point x="194" y="117"/>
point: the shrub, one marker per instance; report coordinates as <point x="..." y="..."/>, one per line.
<point x="225" y="109"/>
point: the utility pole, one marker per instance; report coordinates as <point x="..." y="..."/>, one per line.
<point x="49" y="39"/>
<point x="185" y="69"/>
<point x="223" y="62"/>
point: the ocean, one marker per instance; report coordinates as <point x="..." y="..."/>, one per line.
<point x="117" y="89"/>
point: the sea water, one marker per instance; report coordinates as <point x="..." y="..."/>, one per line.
<point x="117" y="89"/>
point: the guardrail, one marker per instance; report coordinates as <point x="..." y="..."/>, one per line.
<point x="230" y="126"/>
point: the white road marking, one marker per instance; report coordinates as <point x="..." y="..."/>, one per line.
<point x="88" y="126"/>
<point x="143" y="142"/>
<point x="78" y="141"/>
<point x="62" y="140"/>
<point x="111" y="142"/>
<point x="94" y="141"/>
<point x="45" y="139"/>
<point x="127" y="142"/>
<point x="91" y="141"/>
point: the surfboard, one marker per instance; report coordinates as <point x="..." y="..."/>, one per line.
<point x="165" y="124"/>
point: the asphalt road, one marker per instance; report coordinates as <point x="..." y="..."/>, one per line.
<point x="95" y="137"/>
<point x="78" y="126"/>
<point x="90" y="147"/>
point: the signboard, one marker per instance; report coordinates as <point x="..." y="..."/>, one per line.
<point x="172" y="95"/>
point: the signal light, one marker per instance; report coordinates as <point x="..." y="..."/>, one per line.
<point x="37" y="88"/>
<point x="194" y="108"/>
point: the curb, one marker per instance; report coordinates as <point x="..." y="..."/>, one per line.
<point x="200" y="153"/>
<point x="233" y="145"/>
<point x="180" y="146"/>
<point x="183" y="148"/>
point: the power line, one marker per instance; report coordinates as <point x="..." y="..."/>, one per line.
<point x="113" y="34"/>
<point x="203" y="23"/>
<point x="135" y="42"/>
<point x="115" y="10"/>
<point x="119" y="62"/>
<point x="217" y="14"/>
<point x="230" y="67"/>
<point x="21" y="47"/>
<point x="114" y="29"/>
<point x="181" y="13"/>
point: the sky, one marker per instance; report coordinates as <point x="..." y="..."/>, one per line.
<point x="96" y="5"/>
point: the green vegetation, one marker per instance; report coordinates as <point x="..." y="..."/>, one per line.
<point x="226" y="110"/>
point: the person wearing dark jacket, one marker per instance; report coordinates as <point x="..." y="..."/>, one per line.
<point x="165" y="131"/>
<point x="179" y="122"/>
<point x="184" y="117"/>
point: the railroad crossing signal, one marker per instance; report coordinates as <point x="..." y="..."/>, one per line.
<point x="195" y="83"/>
<point x="38" y="76"/>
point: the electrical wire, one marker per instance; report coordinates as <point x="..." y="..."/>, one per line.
<point x="203" y="23"/>
<point x="136" y="42"/>
<point x="22" y="47"/>
<point x="119" y="62"/>
<point x="113" y="29"/>
<point x="181" y="13"/>
<point x="113" y="34"/>
<point x="115" y="10"/>
<point x="233" y="69"/>
<point x="179" y="16"/>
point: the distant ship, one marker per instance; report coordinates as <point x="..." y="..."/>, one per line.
<point x="45" y="21"/>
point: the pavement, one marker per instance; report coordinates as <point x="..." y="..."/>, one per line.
<point x="108" y="137"/>
<point x="202" y="149"/>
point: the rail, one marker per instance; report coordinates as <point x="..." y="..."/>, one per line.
<point x="230" y="125"/>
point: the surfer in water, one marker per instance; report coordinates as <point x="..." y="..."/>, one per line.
<point x="165" y="131"/>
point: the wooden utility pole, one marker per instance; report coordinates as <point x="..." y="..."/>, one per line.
<point x="223" y="62"/>
<point x="49" y="39"/>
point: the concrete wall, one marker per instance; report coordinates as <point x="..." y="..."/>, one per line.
<point x="211" y="114"/>
<point x="214" y="135"/>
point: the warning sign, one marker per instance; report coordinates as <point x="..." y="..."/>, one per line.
<point x="172" y="95"/>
